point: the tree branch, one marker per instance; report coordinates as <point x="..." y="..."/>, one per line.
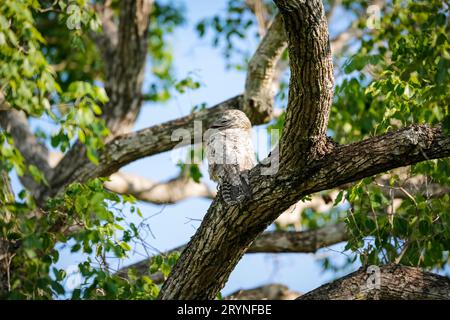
<point x="395" y="283"/>
<point x="227" y="231"/>
<point x="124" y="77"/>
<point x="295" y="242"/>
<point x="172" y="191"/>
<point x="341" y="41"/>
<point x="259" y="95"/>
<point x="34" y="153"/>
<point x="129" y="147"/>
<point x="311" y="83"/>
<point x="106" y="40"/>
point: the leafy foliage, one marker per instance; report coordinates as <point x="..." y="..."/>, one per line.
<point x="100" y="232"/>
<point x="399" y="76"/>
<point x="42" y="46"/>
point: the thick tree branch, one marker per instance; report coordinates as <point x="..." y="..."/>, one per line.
<point x="259" y="95"/>
<point x="172" y="191"/>
<point x="143" y="189"/>
<point x="311" y="83"/>
<point x="395" y="283"/>
<point x="227" y="231"/>
<point x="129" y="147"/>
<point x="34" y="153"/>
<point x="124" y="77"/>
<point x="106" y="40"/>
<point x="295" y="242"/>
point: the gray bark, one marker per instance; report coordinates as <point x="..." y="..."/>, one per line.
<point x="395" y="282"/>
<point x="259" y="95"/>
<point x="34" y="152"/>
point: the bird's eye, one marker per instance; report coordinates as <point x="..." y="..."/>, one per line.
<point x="220" y="122"/>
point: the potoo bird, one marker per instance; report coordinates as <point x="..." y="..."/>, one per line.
<point x="230" y="155"/>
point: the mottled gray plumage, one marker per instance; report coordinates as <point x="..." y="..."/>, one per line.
<point x="230" y="155"/>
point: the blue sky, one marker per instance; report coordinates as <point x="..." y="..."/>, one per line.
<point x="173" y="225"/>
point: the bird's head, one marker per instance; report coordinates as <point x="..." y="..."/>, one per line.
<point x="232" y="119"/>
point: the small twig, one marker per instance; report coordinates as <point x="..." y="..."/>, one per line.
<point x="51" y="8"/>
<point x="399" y="258"/>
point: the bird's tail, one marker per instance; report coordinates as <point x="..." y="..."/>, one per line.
<point x="237" y="190"/>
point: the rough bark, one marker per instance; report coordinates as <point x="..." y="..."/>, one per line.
<point x="311" y="82"/>
<point x="305" y="241"/>
<point x="34" y="153"/>
<point x="125" y="74"/>
<point x="395" y="283"/>
<point x="227" y="231"/>
<point x="259" y="95"/>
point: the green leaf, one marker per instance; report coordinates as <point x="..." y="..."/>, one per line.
<point x="446" y="124"/>
<point x="118" y="227"/>
<point x="59" y="289"/>
<point x="424" y="228"/>
<point x="165" y="269"/>
<point x="125" y="246"/>
<point x="339" y="198"/>
<point x="195" y="173"/>
<point x="37" y="174"/>
<point x="75" y="248"/>
<point x="92" y="155"/>
<point x="147" y="279"/>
